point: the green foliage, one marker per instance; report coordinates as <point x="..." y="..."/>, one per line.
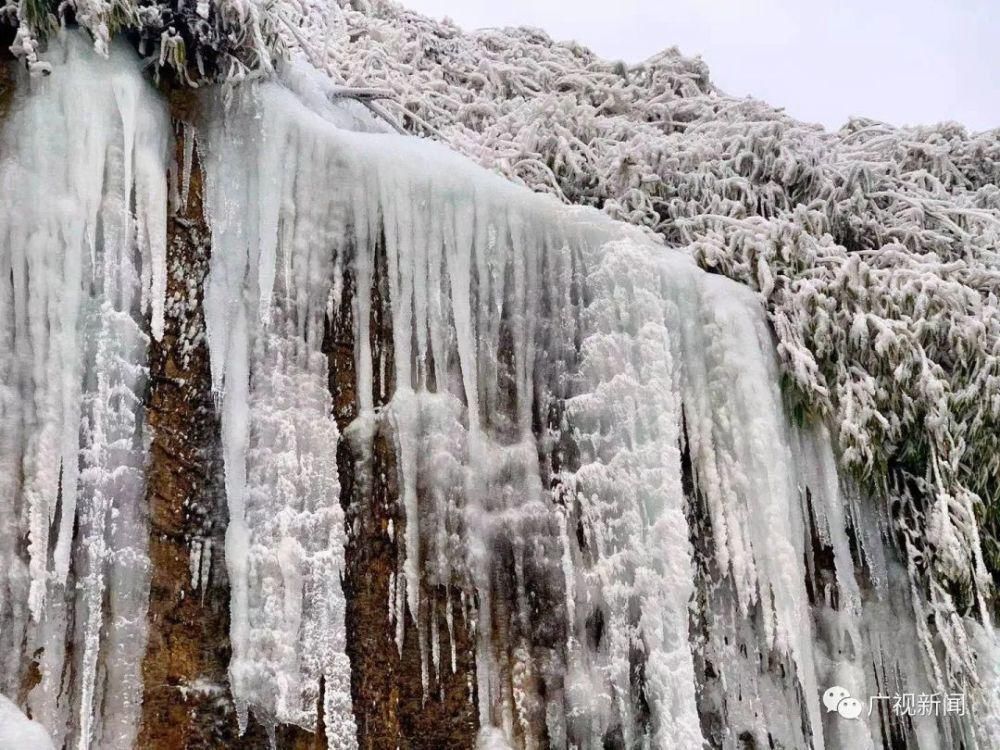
<point x="40" y="15"/>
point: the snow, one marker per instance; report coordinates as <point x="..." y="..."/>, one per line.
<point x="238" y="39"/>
<point x="18" y="732"/>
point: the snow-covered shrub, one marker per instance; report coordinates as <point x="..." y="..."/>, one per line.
<point x="191" y="41"/>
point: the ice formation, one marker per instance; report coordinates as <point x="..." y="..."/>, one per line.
<point x="82" y="277"/>
<point x="270" y="280"/>
<point x="599" y="472"/>
<point x="873" y="247"/>
<point x="557" y="379"/>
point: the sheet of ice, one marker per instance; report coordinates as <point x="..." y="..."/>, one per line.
<point x="472" y="261"/>
<point x="630" y="505"/>
<point x="82" y="250"/>
<point x="556" y="378"/>
<point x="275" y="230"/>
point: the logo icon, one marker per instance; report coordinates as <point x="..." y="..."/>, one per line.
<point x="838" y="699"/>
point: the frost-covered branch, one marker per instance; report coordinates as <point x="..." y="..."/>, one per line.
<point x="191" y="42"/>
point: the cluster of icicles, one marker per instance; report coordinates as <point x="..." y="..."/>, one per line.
<point x="590" y="434"/>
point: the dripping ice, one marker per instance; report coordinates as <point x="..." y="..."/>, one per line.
<point x="556" y="375"/>
<point x="82" y="273"/>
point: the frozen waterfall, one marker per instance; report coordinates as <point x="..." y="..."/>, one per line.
<point x="598" y="488"/>
<point x="82" y="243"/>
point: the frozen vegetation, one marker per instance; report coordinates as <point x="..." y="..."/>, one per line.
<point x="672" y="508"/>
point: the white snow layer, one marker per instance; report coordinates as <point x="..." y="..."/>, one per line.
<point x="591" y="437"/>
<point x="18" y="732"/>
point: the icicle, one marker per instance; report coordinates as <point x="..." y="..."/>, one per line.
<point x="450" y="619"/>
<point x="435" y="640"/>
<point x="270" y="280"/>
<point x="235" y="440"/>
<point x="404" y="408"/>
<point x="82" y="230"/>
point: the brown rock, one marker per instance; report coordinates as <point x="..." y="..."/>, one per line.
<point x="186" y="702"/>
<point x="390" y="707"/>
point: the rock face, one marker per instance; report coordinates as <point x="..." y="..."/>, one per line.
<point x="392" y="708"/>
<point x="6" y="88"/>
<point x="185" y="701"/>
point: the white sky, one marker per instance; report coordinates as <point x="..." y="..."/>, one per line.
<point x="903" y="61"/>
